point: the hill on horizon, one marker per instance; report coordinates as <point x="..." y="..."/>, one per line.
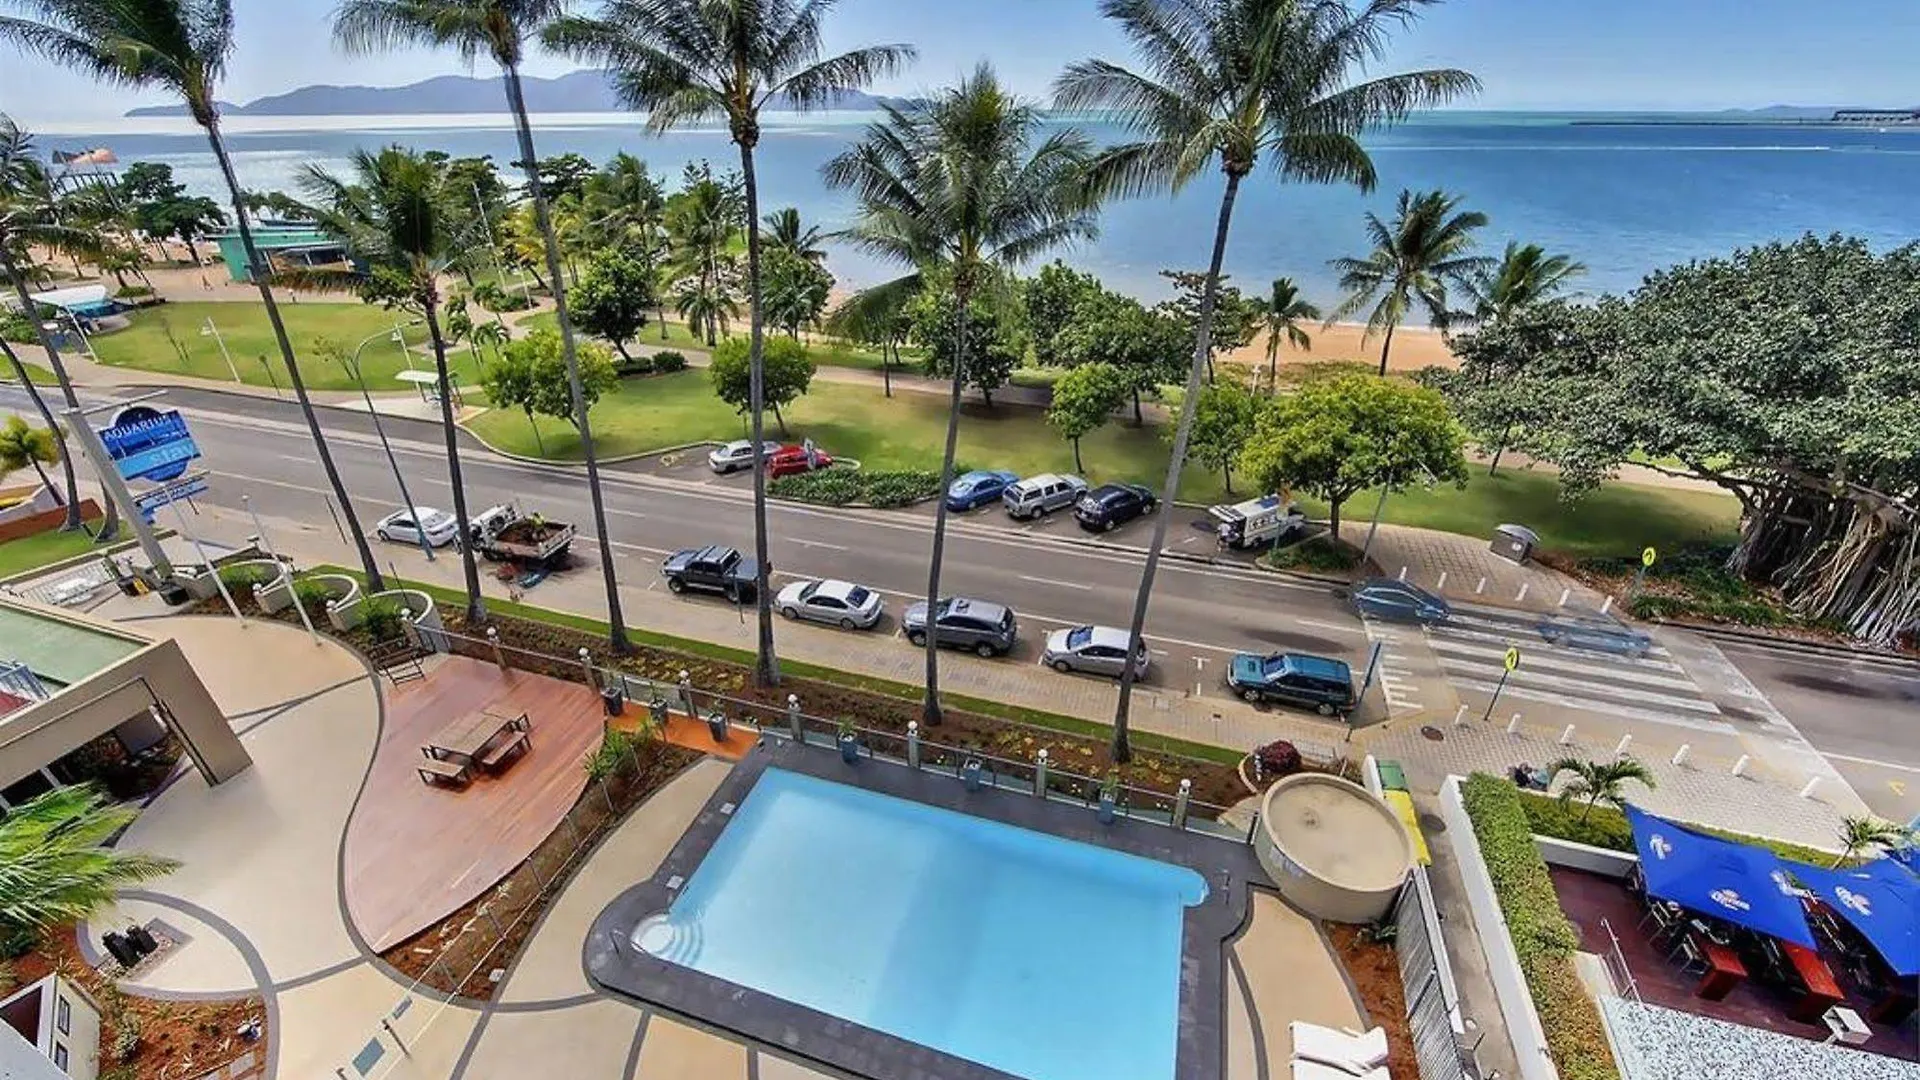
<point x="577" y="92"/>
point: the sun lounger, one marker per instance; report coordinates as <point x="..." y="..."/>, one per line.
<point x="1314" y="1070"/>
<point x="1353" y="1053"/>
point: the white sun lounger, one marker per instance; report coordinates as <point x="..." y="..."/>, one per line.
<point x="1314" y="1070"/>
<point x="1354" y="1054"/>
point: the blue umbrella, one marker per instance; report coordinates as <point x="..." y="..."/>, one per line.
<point x="1736" y="883"/>
<point x="1880" y="900"/>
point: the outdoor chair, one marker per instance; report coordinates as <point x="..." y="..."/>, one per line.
<point x="1354" y="1053"/>
<point x="1690" y="959"/>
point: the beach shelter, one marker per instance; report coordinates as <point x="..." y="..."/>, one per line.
<point x="1880" y="900"/>
<point x="1737" y="883"/>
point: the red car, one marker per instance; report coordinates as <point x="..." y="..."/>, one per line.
<point x="792" y="460"/>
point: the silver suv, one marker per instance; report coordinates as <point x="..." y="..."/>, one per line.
<point x="1037" y="496"/>
<point x="986" y="628"/>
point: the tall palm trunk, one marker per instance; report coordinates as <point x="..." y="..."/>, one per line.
<point x="476" y="605"/>
<point x="20" y="290"/>
<point x="1196" y="372"/>
<point x="71" y="502"/>
<point x="766" y="669"/>
<point x="1385" y="346"/>
<point x="259" y="271"/>
<point x="616" y="624"/>
<point x="930" y="707"/>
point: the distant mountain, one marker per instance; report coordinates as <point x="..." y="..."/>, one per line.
<point x="578" y="92"/>
<point x="1788" y="112"/>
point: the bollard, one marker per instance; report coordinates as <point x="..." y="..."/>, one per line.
<point x="1403" y="573"/>
<point x="1740" y="767"/>
<point x="1460" y="717"/>
<point x="1807" y="792"/>
<point x="1606" y="605"/>
<point x="407" y="628"/>
<point x="1482" y="587"/>
<point x="1040" y="775"/>
<point x="1441" y="585"/>
<point x="1513" y="725"/>
<point x="686" y="693"/>
<point x="913" y="745"/>
<point x="586" y="665"/>
<point x="1620" y="748"/>
<point x="1564" y="594"/>
<point x="1524" y="586"/>
<point x="1566" y="736"/>
<point x="1680" y="755"/>
<point x="499" y="654"/>
<point x="1180" y="798"/>
<point x="794" y="726"/>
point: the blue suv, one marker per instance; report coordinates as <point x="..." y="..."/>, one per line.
<point x="979" y="488"/>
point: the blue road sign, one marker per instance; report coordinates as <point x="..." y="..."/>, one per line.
<point x="152" y="502"/>
<point x="147" y="444"/>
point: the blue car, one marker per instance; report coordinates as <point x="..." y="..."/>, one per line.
<point x="1315" y="682"/>
<point x="979" y="488"/>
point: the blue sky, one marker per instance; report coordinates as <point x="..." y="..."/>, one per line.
<point x="1546" y="54"/>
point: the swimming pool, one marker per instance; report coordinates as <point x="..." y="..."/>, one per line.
<point x="1041" y="957"/>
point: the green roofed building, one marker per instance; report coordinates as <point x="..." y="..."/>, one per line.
<point x="283" y="245"/>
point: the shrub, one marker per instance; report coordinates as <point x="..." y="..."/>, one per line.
<point x="840" y="487"/>
<point x="1321" y="553"/>
<point x="134" y="292"/>
<point x="312" y="595"/>
<point x="1275" y="760"/>
<point x="668" y="361"/>
<point x="16" y="327"/>
<point x="628" y="366"/>
<point x="890" y="489"/>
<point x="1543" y="939"/>
<point x="382" y="618"/>
<point x="615" y="751"/>
<point x="240" y="580"/>
<point x="1608" y="828"/>
<point x="491" y="296"/>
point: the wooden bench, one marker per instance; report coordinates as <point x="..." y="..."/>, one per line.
<point x="434" y="770"/>
<point x="500" y="756"/>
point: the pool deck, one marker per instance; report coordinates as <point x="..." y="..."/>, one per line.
<point x="612" y="963"/>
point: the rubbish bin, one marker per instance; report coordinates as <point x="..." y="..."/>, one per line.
<point x="614" y="699"/>
<point x="174" y="593"/>
<point x="1514" y="542"/>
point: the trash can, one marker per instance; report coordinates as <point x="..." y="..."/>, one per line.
<point x="174" y="593"/>
<point x="614" y="699"/>
<point x="1514" y="542"/>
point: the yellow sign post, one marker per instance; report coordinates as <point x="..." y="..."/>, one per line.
<point x="1510" y="663"/>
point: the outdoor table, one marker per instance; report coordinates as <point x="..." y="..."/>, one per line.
<point x="468" y="736"/>
<point x="1822" y="992"/>
<point x="1724" y="969"/>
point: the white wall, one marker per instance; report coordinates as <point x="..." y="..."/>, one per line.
<point x="1594" y="860"/>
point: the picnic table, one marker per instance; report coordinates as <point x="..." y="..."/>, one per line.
<point x="1822" y="992"/>
<point x="474" y="740"/>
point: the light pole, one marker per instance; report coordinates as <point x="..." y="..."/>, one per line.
<point x="214" y="332"/>
<point x="353" y="367"/>
<point x="400" y="339"/>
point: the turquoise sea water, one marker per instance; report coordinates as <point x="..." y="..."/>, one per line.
<point x="1623" y="198"/>
<point x="1041" y="957"/>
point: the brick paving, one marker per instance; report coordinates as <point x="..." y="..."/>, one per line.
<point x="1471" y="570"/>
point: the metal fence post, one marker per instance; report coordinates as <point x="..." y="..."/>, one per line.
<point x="407" y="628"/>
<point x="499" y="654"/>
<point x="686" y="693"/>
<point x="1180" y="803"/>
<point x="913" y="745"/>
<point x="794" y="724"/>
<point x="1040" y="775"/>
<point x="586" y="666"/>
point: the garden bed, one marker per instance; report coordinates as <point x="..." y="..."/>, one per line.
<point x="859" y="487"/>
<point x="1607" y="828"/>
<point x="1375" y="970"/>
<point x="1320" y="554"/>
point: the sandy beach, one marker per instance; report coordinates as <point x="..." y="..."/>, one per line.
<point x="1413" y="348"/>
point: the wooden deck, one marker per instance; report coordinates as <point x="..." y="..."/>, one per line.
<point x="416" y="852"/>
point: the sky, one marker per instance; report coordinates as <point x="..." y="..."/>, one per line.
<point x="1529" y="54"/>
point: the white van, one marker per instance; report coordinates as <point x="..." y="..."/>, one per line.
<point x="1037" y="496"/>
<point x="1256" y="521"/>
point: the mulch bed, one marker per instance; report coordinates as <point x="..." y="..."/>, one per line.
<point x="175" y="1038"/>
<point x="1375" y="971"/>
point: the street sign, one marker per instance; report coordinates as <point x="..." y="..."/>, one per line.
<point x="1647" y="557"/>
<point x="1509" y="662"/>
<point x="146" y="444"/>
<point x="152" y="501"/>
<point x="1513" y="657"/>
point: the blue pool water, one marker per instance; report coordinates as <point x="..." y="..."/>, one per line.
<point x="1042" y="957"/>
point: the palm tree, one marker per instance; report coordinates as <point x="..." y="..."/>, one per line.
<point x="501" y="28"/>
<point x="622" y="205"/>
<point x="1868" y="832"/>
<point x="1233" y="82"/>
<point x="1598" y="781"/>
<point x="959" y="185"/>
<point x="22" y="445"/>
<point x="396" y="218"/>
<point x="701" y="222"/>
<point x="1525" y="276"/>
<point x="1413" y="260"/>
<point x="1281" y="314"/>
<point x="55" y="863"/>
<point x="181" y="46"/>
<point x="786" y="231"/>
<point x="682" y="61"/>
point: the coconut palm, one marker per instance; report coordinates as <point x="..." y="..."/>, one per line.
<point x="701" y="222"/>
<point x="396" y="218"/>
<point x="500" y="28"/>
<point x="1280" y="316"/>
<point x="1233" y="83"/>
<point x="1414" y="261"/>
<point x="1599" y="781"/>
<point x="55" y="863"/>
<point x="964" y="184"/>
<point x="1869" y="832"/>
<point x="786" y="231"/>
<point x="181" y="46"/>
<point x="683" y="61"/>
<point x="22" y="445"/>
<point x="1524" y="276"/>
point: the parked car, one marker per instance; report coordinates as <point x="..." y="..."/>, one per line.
<point x="978" y="488"/>
<point x="1098" y="650"/>
<point x="1399" y="601"/>
<point x="738" y="454"/>
<point x="712" y="569"/>
<point x="1038" y="496"/>
<point x="841" y="603"/>
<point x="1315" y="682"/>
<point x="1268" y="519"/>
<point x="398" y="527"/>
<point x="1585" y="628"/>
<point x="793" y="460"/>
<point x="1109" y="506"/>
<point x="987" y="628"/>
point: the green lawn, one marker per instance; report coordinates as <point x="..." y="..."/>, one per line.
<point x="249" y="338"/>
<point x="41" y="376"/>
<point x="826" y="352"/>
<point x="907" y="430"/>
<point x="32" y="552"/>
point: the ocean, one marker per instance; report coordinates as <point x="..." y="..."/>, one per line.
<point x="1624" y="194"/>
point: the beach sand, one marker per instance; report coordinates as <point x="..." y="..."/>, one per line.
<point x="1413" y="348"/>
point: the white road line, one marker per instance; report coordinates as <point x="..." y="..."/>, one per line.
<point x="1870" y="761"/>
<point x="1338" y="628"/>
<point x="816" y="544"/>
<point x="1653" y="658"/>
<point x="1081" y="585"/>
<point x="1541" y="660"/>
<point x="1719" y="727"/>
<point x="1592" y="691"/>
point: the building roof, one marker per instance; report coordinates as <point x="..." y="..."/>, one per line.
<point x="60" y="650"/>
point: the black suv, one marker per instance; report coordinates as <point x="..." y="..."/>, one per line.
<point x="712" y="569"/>
<point x="1111" y="505"/>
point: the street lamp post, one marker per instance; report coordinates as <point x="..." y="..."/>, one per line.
<point x="214" y="332"/>
<point x="353" y="367"/>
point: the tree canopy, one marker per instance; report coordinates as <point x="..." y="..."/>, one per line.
<point x="1084" y="399"/>
<point x="613" y="297"/>
<point x="1222" y="424"/>
<point x="994" y="343"/>
<point x="531" y="375"/>
<point x="787" y="371"/>
<point x="1147" y="348"/>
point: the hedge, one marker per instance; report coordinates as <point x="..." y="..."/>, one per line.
<point x="838" y="487"/>
<point x="1543" y="939"/>
<point x="1607" y="828"/>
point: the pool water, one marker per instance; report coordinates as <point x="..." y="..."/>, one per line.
<point x="1041" y="957"/>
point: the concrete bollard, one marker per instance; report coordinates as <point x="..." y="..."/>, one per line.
<point x="1482" y="587"/>
<point x="795" y="726"/>
<point x="1524" y="586"/>
<point x="913" y="745"/>
<point x="1620" y="748"/>
<point x="686" y="693"/>
<point x="1566" y="736"/>
<point x="1740" y="767"/>
<point x="1441" y="585"/>
<point x="1513" y="725"/>
<point x="1680" y="755"/>
<point x="499" y="654"/>
<point x="1807" y="792"/>
<point x="1180" y="800"/>
<point x="1040" y="775"/>
<point x="1606" y="605"/>
<point x="1403" y="573"/>
<point x="586" y="665"/>
<point x="1460" y="717"/>
<point x="1564" y="594"/>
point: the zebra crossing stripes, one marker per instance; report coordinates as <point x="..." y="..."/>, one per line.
<point x="1396" y="677"/>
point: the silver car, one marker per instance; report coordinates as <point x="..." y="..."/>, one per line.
<point x="738" y="454"/>
<point x="1097" y="650"/>
<point x="987" y="628"/>
<point x="841" y="603"/>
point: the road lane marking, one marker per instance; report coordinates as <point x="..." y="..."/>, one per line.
<point x="1053" y="581"/>
<point x="816" y="544"/>
<point x="1871" y="761"/>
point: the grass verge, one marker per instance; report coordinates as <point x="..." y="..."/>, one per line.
<point x="1607" y="828"/>
<point x="40" y="549"/>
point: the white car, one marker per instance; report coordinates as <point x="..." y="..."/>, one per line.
<point x="738" y="454"/>
<point x="1097" y="650"/>
<point x="842" y="603"/>
<point x="398" y="527"/>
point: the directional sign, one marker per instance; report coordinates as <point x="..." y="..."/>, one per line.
<point x="148" y="444"/>
<point x="153" y="501"/>
<point x="1513" y="657"/>
<point x="1647" y="557"/>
